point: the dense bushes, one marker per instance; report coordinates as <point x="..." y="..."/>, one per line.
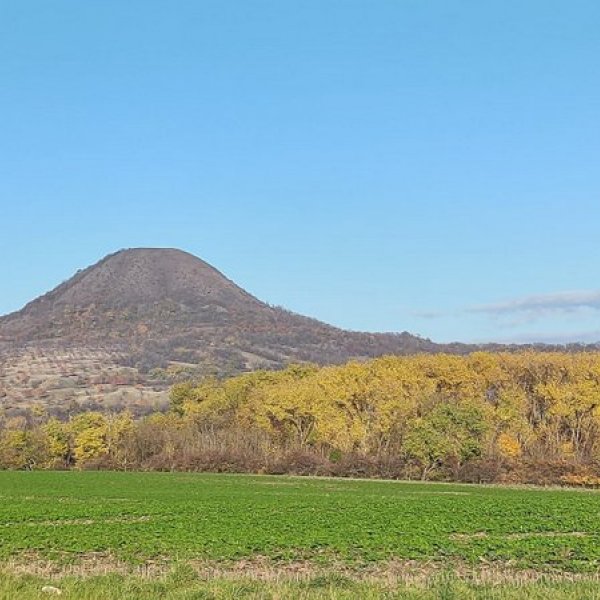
<point x="525" y="417"/>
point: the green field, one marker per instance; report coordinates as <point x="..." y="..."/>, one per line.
<point x="281" y="524"/>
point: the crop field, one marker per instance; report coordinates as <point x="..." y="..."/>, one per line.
<point x="58" y="522"/>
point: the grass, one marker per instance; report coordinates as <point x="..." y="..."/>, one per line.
<point x="176" y="587"/>
<point x="291" y="537"/>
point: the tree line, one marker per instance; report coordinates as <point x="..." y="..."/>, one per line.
<point x="511" y="417"/>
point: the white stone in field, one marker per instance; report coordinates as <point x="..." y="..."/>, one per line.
<point x="50" y="589"/>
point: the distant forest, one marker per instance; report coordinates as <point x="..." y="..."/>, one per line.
<point x="525" y="417"/>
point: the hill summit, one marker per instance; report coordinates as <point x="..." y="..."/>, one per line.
<point x="139" y="292"/>
<point x="142" y="276"/>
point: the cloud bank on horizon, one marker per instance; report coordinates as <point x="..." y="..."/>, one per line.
<point x="560" y="317"/>
<point x="541" y="304"/>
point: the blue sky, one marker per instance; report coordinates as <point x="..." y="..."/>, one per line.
<point x="430" y="166"/>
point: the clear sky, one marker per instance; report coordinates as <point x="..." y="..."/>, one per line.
<point x="431" y="166"/>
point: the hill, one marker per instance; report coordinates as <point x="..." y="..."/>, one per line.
<point x="119" y="331"/>
<point x="160" y="305"/>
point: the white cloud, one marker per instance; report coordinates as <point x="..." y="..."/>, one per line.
<point x="542" y="304"/>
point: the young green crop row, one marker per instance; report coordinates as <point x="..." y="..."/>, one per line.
<point x="142" y="516"/>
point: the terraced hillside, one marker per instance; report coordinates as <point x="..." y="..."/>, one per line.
<point x="71" y="380"/>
